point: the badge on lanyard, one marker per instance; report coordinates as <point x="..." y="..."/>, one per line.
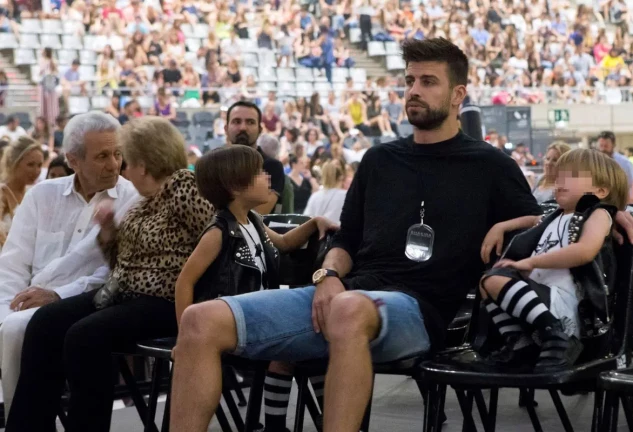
<point x="420" y="238"/>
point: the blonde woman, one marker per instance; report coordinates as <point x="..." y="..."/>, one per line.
<point x="544" y="185"/>
<point x="21" y="166"/>
<point x="328" y="201"/>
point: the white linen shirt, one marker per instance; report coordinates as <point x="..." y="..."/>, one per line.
<point x="52" y="241"/>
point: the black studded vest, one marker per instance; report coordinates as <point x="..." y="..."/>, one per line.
<point x="595" y="280"/>
<point x="234" y="270"/>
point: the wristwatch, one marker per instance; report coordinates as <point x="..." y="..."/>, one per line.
<point x="321" y="274"/>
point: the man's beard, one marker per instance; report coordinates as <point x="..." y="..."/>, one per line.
<point x="431" y="119"/>
<point x="243" y="138"/>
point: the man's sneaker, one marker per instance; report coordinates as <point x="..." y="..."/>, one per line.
<point x="558" y="350"/>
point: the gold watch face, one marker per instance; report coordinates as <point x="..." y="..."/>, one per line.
<point x="318" y="276"/>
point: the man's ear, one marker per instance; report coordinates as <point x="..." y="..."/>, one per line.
<point x="72" y="161"/>
<point x="459" y="94"/>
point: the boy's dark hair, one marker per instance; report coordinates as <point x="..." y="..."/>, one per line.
<point x="225" y="170"/>
<point x="438" y="50"/>
<point x="247" y="104"/>
<point x="60" y="161"/>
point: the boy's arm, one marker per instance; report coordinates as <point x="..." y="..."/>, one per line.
<point x="202" y="257"/>
<point x="495" y="237"/>
<point x="584" y="251"/>
<point x="300" y="235"/>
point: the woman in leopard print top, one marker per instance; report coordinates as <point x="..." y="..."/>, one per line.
<point x="73" y="339"/>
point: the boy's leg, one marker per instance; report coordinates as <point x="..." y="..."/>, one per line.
<point x="206" y="331"/>
<point x="518" y="298"/>
<point x="277" y="388"/>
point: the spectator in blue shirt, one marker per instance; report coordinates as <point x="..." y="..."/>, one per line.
<point x="480" y="34"/>
<point x="72" y="83"/>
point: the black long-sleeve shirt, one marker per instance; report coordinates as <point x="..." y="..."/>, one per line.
<point x="467" y="186"/>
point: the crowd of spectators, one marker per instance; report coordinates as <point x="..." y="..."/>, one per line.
<point x="521" y="52"/>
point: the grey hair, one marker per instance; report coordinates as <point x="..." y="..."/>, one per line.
<point x="80" y="125"/>
<point x="269" y="144"/>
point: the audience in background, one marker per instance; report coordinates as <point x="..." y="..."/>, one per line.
<point x="328" y="201"/>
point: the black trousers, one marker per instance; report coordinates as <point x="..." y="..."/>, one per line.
<point x="71" y="340"/>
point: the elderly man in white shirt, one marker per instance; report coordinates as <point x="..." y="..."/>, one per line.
<point x="51" y="251"/>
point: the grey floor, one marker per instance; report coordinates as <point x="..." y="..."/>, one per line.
<point x="397" y="407"/>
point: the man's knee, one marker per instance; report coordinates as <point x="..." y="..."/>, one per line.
<point x="209" y="323"/>
<point x="15" y="324"/>
<point x="352" y="315"/>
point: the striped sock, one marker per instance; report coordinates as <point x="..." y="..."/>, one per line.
<point x="318" y="384"/>
<point x="506" y="324"/>
<point x="276" y="396"/>
<point x="518" y="300"/>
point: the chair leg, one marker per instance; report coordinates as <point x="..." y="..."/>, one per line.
<point x="364" y="427"/>
<point x="526" y="396"/>
<point x="614" y="408"/>
<point x="232" y="406"/>
<point x="438" y="409"/>
<point x="154" y="391"/>
<point x="492" y="409"/>
<point x="167" y="413"/>
<point x="481" y="407"/>
<point x="470" y="397"/>
<point x="598" y="398"/>
<point x="224" y="422"/>
<point x="628" y="410"/>
<point x="137" y="397"/>
<point x="313" y="410"/>
<point x="466" y="407"/>
<point x="562" y="413"/>
<point x="302" y="389"/>
<point x="235" y="386"/>
<point x="429" y="395"/>
<point x="254" y="408"/>
<point x="536" y="424"/>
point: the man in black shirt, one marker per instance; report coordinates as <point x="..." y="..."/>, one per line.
<point x="370" y="300"/>
<point x="243" y="126"/>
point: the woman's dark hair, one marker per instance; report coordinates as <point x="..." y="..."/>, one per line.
<point x="292" y="159"/>
<point x="438" y="50"/>
<point x="60" y="161"/>
<point x="48" y="52"/>
<point x="225" y="170"/>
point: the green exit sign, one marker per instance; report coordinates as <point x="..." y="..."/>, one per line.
<point x="558" y="116"/>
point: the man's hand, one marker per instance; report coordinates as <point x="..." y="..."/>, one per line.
<point x="492" y="241"/>
<point x="33" y="297"/>
<point x="325" y="292"/>
<point x="625" y="221"/>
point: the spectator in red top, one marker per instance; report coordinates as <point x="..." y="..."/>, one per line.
<point x="111" y="9"/>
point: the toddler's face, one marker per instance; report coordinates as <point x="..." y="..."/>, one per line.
<point x="570" y="187"/>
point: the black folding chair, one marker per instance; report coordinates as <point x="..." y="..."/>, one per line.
<point x="465" y="372"/>
<point x="618" y="387"/>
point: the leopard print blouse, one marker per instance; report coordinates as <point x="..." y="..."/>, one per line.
<point x="156" y="237"/>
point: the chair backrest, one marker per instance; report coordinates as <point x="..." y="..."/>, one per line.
<point x="296" y="267"/>
<point x="623" y="301"/>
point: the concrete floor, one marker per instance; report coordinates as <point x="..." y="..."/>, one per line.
<point x="398" y="407"/>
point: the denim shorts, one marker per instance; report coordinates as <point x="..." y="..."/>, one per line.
<point x="277" y="325"/>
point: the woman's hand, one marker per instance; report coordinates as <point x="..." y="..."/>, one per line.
<point x="324" y="225"/>
<point x="492" y="241"/>
<point x="104" y="216"/>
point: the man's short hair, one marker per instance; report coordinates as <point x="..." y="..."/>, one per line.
<point x="245" y="104"/>
<point x="438" y="50"/>
<point x="223" y="171"/>
<point x="11" y="119"/>
<point x="269" y="145"/>
<point x="607" y="135"/>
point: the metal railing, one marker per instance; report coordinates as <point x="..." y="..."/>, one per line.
<point x="17" y="94"/>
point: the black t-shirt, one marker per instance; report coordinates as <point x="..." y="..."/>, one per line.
<point x="467" y="186"/>
<point x="276" y="171"/>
